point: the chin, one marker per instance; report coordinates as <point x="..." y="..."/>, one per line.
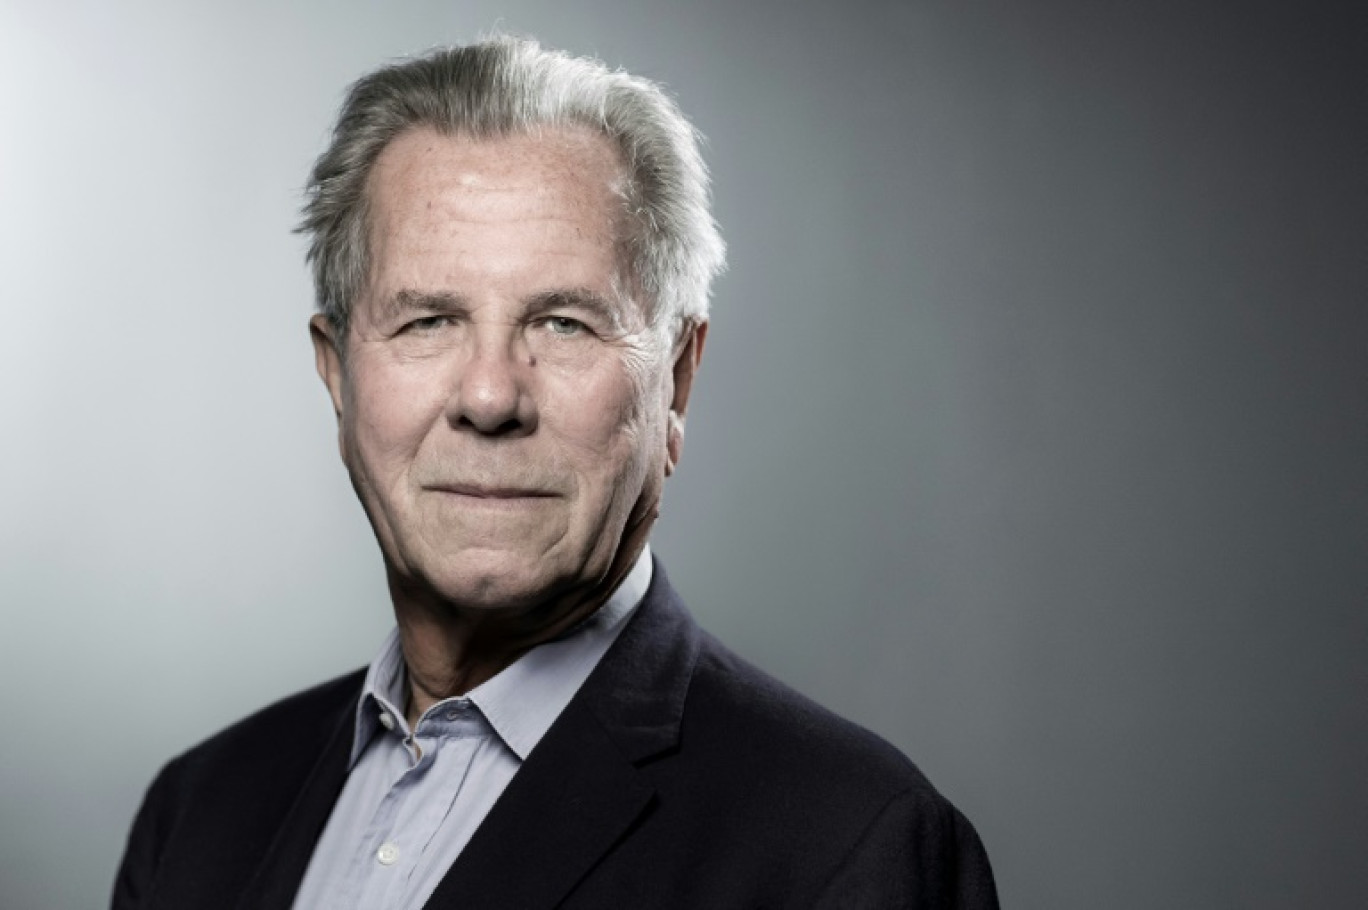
<point x="485" y="580"/>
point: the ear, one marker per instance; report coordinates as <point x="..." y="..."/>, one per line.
<point x="688" y="353"/>
<point x="328" y="358"/>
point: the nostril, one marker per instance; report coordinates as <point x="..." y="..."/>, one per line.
<point x="508" y="427"/>
<point x="512" y="425"/>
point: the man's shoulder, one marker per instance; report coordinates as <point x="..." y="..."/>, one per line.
<point x="783" y="799"/>
<point x="736" y="724"/>
<point x="213" y="811"/>
<point x="297" y="724"/>
<point x="761" y="720"/>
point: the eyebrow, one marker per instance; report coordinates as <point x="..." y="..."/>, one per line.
<point x="576" y="299"/>
<point x="409" y="300"/>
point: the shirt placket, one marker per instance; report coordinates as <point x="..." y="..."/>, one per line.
<point x="441" y="750"/>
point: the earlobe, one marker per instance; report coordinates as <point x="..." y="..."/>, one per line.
<point x="687" y="358"/>
<point x="327" y="359"/>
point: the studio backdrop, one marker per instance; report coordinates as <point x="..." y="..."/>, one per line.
<point x="1031" y="430"/>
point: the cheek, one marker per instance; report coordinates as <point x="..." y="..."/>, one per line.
<point x="391" y="413"/>
<point x="625" y="423"/>
<point x="609" y="410"/>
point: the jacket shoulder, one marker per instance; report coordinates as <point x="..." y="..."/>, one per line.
<point x="787" y="803"/>
<point x="211" y="812"/>
<point x="770" y="742"/>
<point x="762" y="719"/>
<point x="307" y="716"/>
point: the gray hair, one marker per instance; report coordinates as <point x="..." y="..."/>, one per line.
<point x="506" y="85"/>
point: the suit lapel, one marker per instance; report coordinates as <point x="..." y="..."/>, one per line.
<point x="276" y="879"/>
<point x="580" y="790"/>
<point x="565" y="807"/>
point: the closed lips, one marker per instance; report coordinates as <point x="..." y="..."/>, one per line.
<point x="490" y="492"/>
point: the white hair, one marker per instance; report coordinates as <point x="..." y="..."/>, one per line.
<point x="506" y="85"/>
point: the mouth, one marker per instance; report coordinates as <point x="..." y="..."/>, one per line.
<point x="492" y="495"/>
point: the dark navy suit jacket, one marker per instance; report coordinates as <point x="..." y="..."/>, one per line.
<point x="678" y="776"/>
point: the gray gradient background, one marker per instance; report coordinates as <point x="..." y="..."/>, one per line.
<point x="1031" y="431"/>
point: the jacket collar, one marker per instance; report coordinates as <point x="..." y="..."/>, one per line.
<point x="576" y="794"/>
<point x="638" y="690"/>
<point x="580" y="789"/>
<point x="277" y="876"/>
<point x="522" y="700"/>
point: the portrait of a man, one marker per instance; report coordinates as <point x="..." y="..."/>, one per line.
<point x="587" y="454"/>
<point x="512" y="250"/>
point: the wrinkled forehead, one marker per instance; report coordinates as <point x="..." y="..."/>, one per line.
<point x="571" y="167"/>
<point x="492" y="206"/>
<point x="545" y="173"/>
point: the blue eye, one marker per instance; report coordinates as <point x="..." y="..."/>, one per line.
<point x="564" y="326"/>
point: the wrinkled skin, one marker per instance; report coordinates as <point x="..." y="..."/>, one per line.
<point x="505" y="410"/>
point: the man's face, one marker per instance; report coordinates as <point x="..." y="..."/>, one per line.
<point x="504" y="410"/>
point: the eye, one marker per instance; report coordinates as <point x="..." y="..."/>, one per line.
<point x="564" y="326"/>
<point x="427" y="323"/>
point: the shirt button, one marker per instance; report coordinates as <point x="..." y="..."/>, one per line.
<point x="388" y="854"/>
<point x="386" y="721"/>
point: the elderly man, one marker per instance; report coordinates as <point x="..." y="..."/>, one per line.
<point x="512" y="250"/>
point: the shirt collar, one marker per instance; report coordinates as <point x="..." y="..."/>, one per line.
<point x="525" y="698"/>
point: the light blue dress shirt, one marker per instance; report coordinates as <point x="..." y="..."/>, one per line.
<point x="413" y="798"/>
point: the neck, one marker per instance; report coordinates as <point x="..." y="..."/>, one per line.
<point x="449" y="650"/>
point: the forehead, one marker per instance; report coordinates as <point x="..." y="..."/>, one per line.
<point x="551" y="173"/>
<point x="509" y="218"/>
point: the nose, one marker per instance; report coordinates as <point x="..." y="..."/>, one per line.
<point x="493" y="392"/>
